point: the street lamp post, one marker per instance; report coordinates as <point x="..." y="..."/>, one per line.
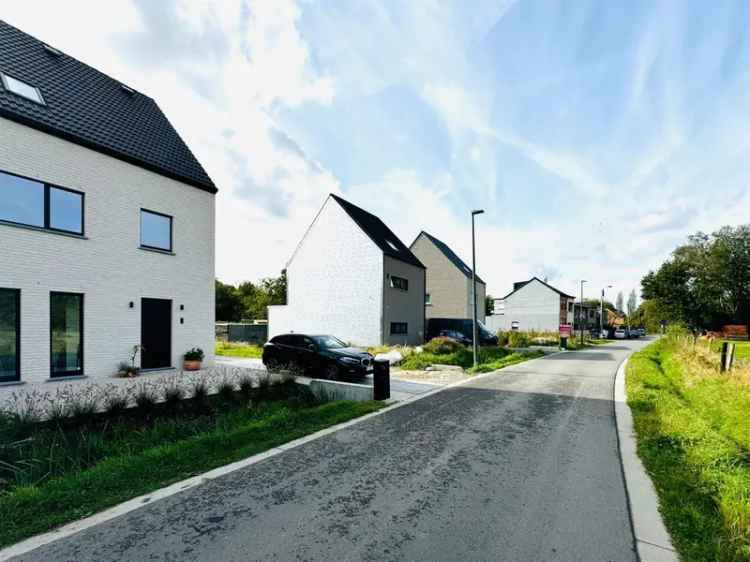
<point x="580" y="310"/>
<point x="601" y="311"/>
<point x="475" y="331"/>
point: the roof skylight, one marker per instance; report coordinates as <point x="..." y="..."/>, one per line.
<point x="51" y="50"/>
<point x="128" y="89"/>
<point x="392" y="245"/>
<point x="21" y="88"/>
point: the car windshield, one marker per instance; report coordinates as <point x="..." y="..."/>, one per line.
<point x="328" y="342"/>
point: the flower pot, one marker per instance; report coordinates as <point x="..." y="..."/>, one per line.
<point x="191" y="365"/>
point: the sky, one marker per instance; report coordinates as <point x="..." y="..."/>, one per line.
<point x="595" y="135"/>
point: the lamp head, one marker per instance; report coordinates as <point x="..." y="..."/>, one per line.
<point x="477" y="211"/>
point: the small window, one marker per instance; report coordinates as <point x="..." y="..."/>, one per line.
<point x="399" y="328"/>
<point x="156" y="231"/>
<point x="399" y="283"/>
<point x="21" y="88"/>
<point x="427" y="299"/>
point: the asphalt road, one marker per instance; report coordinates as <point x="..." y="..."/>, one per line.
<point x="519" y="466"/>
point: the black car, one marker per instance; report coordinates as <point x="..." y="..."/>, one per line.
<point x="316" y="356"/>
<point x="462" y="326"/>
<point x="455" y="335"/>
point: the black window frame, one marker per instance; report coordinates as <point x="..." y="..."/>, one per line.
<point x="171" y="231"/>
<point x="401" y="281"/>
<point x="17" y="376"/>
<point x="47" y="186"/>
<point x="78" y="372"/>
<point x="398" y="332"/>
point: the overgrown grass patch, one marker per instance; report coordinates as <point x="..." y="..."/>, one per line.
<point x="234" y="349"/>
<point x="511" y="359"/>
<point x="117" y="465"/>
<point x="694" y="439"/>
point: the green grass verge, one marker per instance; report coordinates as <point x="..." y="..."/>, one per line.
<point x="464" y="357"/>
<point x="28" y="510"/>
<point x="511" y="359"/>
<point x="239" y="350"/>
<point x="693" y="435"/>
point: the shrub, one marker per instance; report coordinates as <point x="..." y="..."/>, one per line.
<point x="173" y="395"/>
<point x="200" y="391"/>
<point x="246" y="385"/>
<point x="145" y="398"/>
<point x="518" y="339"/>
<point x="115" y="404"/>
<point x="442" y="346"/>
<point x="502" y="338"/>
<point x="83" y="406"/>
<point x="226" y="390"/>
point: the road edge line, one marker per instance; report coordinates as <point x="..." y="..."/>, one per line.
<point x="32" y="543"/>
<point x="652" y="540"/>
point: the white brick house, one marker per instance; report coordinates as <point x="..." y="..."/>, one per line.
<point x="106" y="224"/>
<point x="532" y="305"/>
<point x="351" y="277"/>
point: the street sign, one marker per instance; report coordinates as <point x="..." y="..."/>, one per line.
<point x="566" y="330"/>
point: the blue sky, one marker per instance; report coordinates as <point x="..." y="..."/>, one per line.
<point x="596" y="135"/>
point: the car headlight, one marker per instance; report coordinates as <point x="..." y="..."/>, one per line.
<point x="349" y="361"/>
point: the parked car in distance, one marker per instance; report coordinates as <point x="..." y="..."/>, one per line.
<point x="322" y="356"/>
<point x="642" y="332"/>
<point x="463" y="326"/>
<point x="621" y="334"/>
<point x="455" y="335"/>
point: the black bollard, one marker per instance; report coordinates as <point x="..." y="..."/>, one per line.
<point x="563" y="343"/>
<point x="381" y="383"/>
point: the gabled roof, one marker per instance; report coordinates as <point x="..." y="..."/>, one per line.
<point x="87" y="107"/>
<point x="448" y="253"/>
<point x="521" y="284"/>
<point x="379" y="233"/>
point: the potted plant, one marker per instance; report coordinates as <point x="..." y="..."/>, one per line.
<point x="130" y="370"/>
<point x="192" y="359"/>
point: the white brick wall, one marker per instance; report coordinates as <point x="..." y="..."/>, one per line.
<point x="334" y="282"/>
<point x="108" y="267"/>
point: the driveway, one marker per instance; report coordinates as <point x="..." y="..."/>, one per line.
<point x="519" y="465"/>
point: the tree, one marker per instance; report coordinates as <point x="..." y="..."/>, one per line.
<point x="619" y="303"/>
<point x="228" y="303"/>
<point x="706" y="282"/>
<point x="632" y="302"/>
<point x="249" y="301"/>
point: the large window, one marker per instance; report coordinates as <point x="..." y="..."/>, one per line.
<point x="34" y="203"/>
<point x="10" y="337"/>
<point x="156" y="231"/>
<point x="399" y="328"/>
<point x="66" y="323"/>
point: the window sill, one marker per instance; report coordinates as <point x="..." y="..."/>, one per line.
<point x="45" y="230"/>
<point x="156" y="250"/>
<point x="12" y="383"/>
<point x="63" y="378"/>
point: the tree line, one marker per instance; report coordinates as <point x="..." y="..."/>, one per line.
<point x="249" y="301"/>
<point x="705" y="284"/>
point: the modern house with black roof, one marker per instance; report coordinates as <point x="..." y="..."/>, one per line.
<point x="106" y="223"/>
<point x="350" y="276"/>
<point x="532" y="305"/>
<point x="450" y="291"/>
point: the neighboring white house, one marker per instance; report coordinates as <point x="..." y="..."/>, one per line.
<point x="532" y="305"/>
<point x="450" y="291"/>
<point x="106" y="223"/>
<point x="351" y="277"/>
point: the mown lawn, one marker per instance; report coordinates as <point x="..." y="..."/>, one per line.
<point x="239" y="350"/>
<point x="144" y="464"/>
<point x="693" y="429"/>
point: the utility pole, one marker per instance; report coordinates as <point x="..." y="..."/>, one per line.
<point x="580" y="311"/>
<point x="475" y="330"/>
<point x="601" y="312"/>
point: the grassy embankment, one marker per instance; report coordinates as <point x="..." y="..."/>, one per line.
<point x="693" y="430"/>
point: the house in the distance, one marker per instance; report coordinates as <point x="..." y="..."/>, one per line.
<point x="351" y="277"/>
<point x="106" y="223"/>
<point x="449" y="292"/>
<point x="532" y="305"/>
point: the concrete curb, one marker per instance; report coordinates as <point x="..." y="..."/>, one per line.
<point x="32" y="543"/>
<point x="652" y="540"/>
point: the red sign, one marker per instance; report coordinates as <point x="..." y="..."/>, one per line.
<point x="566" y="330"/>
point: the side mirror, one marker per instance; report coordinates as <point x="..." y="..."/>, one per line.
<point x="311" y="347"/>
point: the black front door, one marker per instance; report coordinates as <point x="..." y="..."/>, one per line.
<point x="156" y="333"/>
